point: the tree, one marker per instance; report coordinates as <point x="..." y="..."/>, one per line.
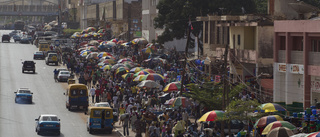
<point x="174" y="15"/>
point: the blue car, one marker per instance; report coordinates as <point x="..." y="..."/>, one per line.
<point x="23" y="95"/>
<point x="16" y="38"/>
<point x="48" y="123"/>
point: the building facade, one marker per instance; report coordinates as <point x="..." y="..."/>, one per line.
<point x="149" y="12"/>
<point x="296" y="64"/>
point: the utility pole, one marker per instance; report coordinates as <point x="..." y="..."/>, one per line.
<point x="129" y="21"/>
<point x="59" y="17"/>
<point x="225" y="86"/>
<point x="185" y="59"/>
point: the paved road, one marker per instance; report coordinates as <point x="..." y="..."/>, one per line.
<point x="17" y="120"/>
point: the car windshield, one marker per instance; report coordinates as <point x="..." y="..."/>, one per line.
<point x="49" y="118"/>
<point x="24" y="91"/>
<point x="78" y="92"/>
<point x="38" y="52"/>
<point x="102" y="105"/>
<point x="65" y="72"/>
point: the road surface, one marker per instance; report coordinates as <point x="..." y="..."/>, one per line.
<point x="18" y="120"/>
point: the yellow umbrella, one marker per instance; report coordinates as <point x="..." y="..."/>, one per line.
<point x="138" y="78"/>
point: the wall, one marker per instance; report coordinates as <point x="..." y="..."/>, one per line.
<point x="282" y="10"/>
<point x="120" y="9"/>
<point x="91" y="12"/>
<point x="249" y="38"/>
<point x="108" y="7"/>
<point x="264" y="41"/>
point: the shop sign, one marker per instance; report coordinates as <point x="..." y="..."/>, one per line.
<point x="282" y="67"/>
<point x="315" y="86"/>
<point x="296" y="69"/>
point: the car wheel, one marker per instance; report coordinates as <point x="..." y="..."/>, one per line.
<point x="90" y="131"/>
<point x="34" y="72"/>
<point x="15" y="100"/>
<point x="22" y="71"/>
<point x="56" y="64"/>
<point x="38" y="132"/>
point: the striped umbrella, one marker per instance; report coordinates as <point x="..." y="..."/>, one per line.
<point x="211" y="116"/>
<point x="174" y="86"/>
<point x="126" y="76"/>
<point x="142" y="72"/>
<point x="149" y="70"/>
<point x="114" y="67"/>
<point x="170" y="102"/>
<point x="272" y="107"/>
<point x="280" y="132"/>
<point x="264" y="121"/>
<point x="84" y="54"/>
<point x="106" y="67"/>
<point x="103" y="54"/>
<point x="314" y="134"/>
<point x="276" y="124"/>
<point x="138" y="78"/>
<point x="129" y="65"/>
<point x="110" y="57"/>
<point x="181" y="101"/>
<point x="148" y="50"/>
<point x="153" y="76"/>
<point x="136" y="69"/>
<point x="125" y="60"/>
<point x="108" y="61"/>
<point x="122" y="69"/>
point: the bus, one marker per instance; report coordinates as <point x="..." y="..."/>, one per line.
<point x="19" y="25"/>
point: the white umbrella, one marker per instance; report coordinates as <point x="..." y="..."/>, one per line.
<point x="92" y="55"/>
<point x="148" y="84"/>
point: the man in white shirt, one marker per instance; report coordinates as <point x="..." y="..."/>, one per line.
<point x="129" y="108"/>
<point x="92" y="93"/>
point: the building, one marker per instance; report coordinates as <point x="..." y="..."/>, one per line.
<point x="296" y="64"/>
<point x="149" y="12"/>
<point x="123" y="17"/>
<point x="250" y="40"/>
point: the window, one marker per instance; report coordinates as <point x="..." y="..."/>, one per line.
<point x="239" y="40"/>
<point x="314" y="45"/>
<point x="206" y="32"/>
<point x="96" y="113"/>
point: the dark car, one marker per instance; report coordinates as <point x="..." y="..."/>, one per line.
<point x="28" y="66"/>
<point x="16" y="38"/>
<point x="23" y="94"/>
<point x="38" y="55"/>
<point x="6" y="37"/>
<point x="24" y="40"/>
<point x="13" y="33"/>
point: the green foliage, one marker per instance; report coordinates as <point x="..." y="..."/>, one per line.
<point x="262" y="6"/>
<point x="241" y="110"/>
<point x="71" y="31"/>
<point x="210" y="94"/>
<point x="174" y="15"/>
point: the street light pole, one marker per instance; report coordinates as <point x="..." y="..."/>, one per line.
<point x="59" y="17"/>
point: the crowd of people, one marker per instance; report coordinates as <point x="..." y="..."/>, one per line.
<point x="140" y="109"/>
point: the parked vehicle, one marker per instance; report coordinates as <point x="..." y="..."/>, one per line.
<point x="16" y="38"/>
<point x="38" y="55"/>
<point x="77" y="97"/>
<point x="52" y="58"/>
<point x="63" y="76"/>
<point x="100" y="119"/>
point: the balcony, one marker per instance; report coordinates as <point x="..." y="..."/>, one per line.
<point x="282" y="56"/>
<point x="242" y="55"/>
<point x="297" y="57"/>
<point x="314" y="58"/>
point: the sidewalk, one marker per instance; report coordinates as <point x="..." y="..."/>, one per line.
<point x="119" y="129"/>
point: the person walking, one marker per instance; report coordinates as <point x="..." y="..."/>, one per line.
<point x="92" y="93"/>
<point x="125" y="125"/>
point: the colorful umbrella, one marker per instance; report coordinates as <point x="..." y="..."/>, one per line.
<point x="90" y="29"/>
<point x="120" y="42"/>
<point x="174" y="86"/>
<point x="149" y="70"/>
<point x="264" y="121"/>
<point x="314" y="134"/>
<point x="136" y="69"/>
<point x="276" y="124"/>
<point x="138" y="78"/>
<point x="280" y="132"/>
<point x="126" y="44"/>
<point x="128" y="75"/>
<point x="84" y="54"/>
<point x="211" y="116"/>
<point x="148" y="84"/>
<point x="170" y="102"/>
<point x="181" y="101"/>
<point x="122" y="69"/>
<point x="109" y="61"/>
<point x="125" y="60"/>
<point x="114" y="40"/>
<point x="110" y="57"/>
<point x="94" y="43"/>
<point x="110" y="44"/>
<point x="153" y="76"/>
<point x="103" y="54"/>
<point x="92" y="48"/>
<point x="148" y="50"/>
<point x="114" y="67"/>
<point x="141" y="41"/>
<point x="101" y="31"/>
<point x="101" y="64"/>
<point x="142" y="72"/>
<point x="106" y="67"/>
<point x="92" y="55"/>
<point x="129" y="65"/>
<point x="272" y="107"/>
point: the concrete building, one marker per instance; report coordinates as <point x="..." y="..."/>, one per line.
<point x="149" y="12"/>
<point x="296" y="64"/>
<point x="250" y="40"/>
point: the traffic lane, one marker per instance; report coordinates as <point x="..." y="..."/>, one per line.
<point x="18" y="119"/>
